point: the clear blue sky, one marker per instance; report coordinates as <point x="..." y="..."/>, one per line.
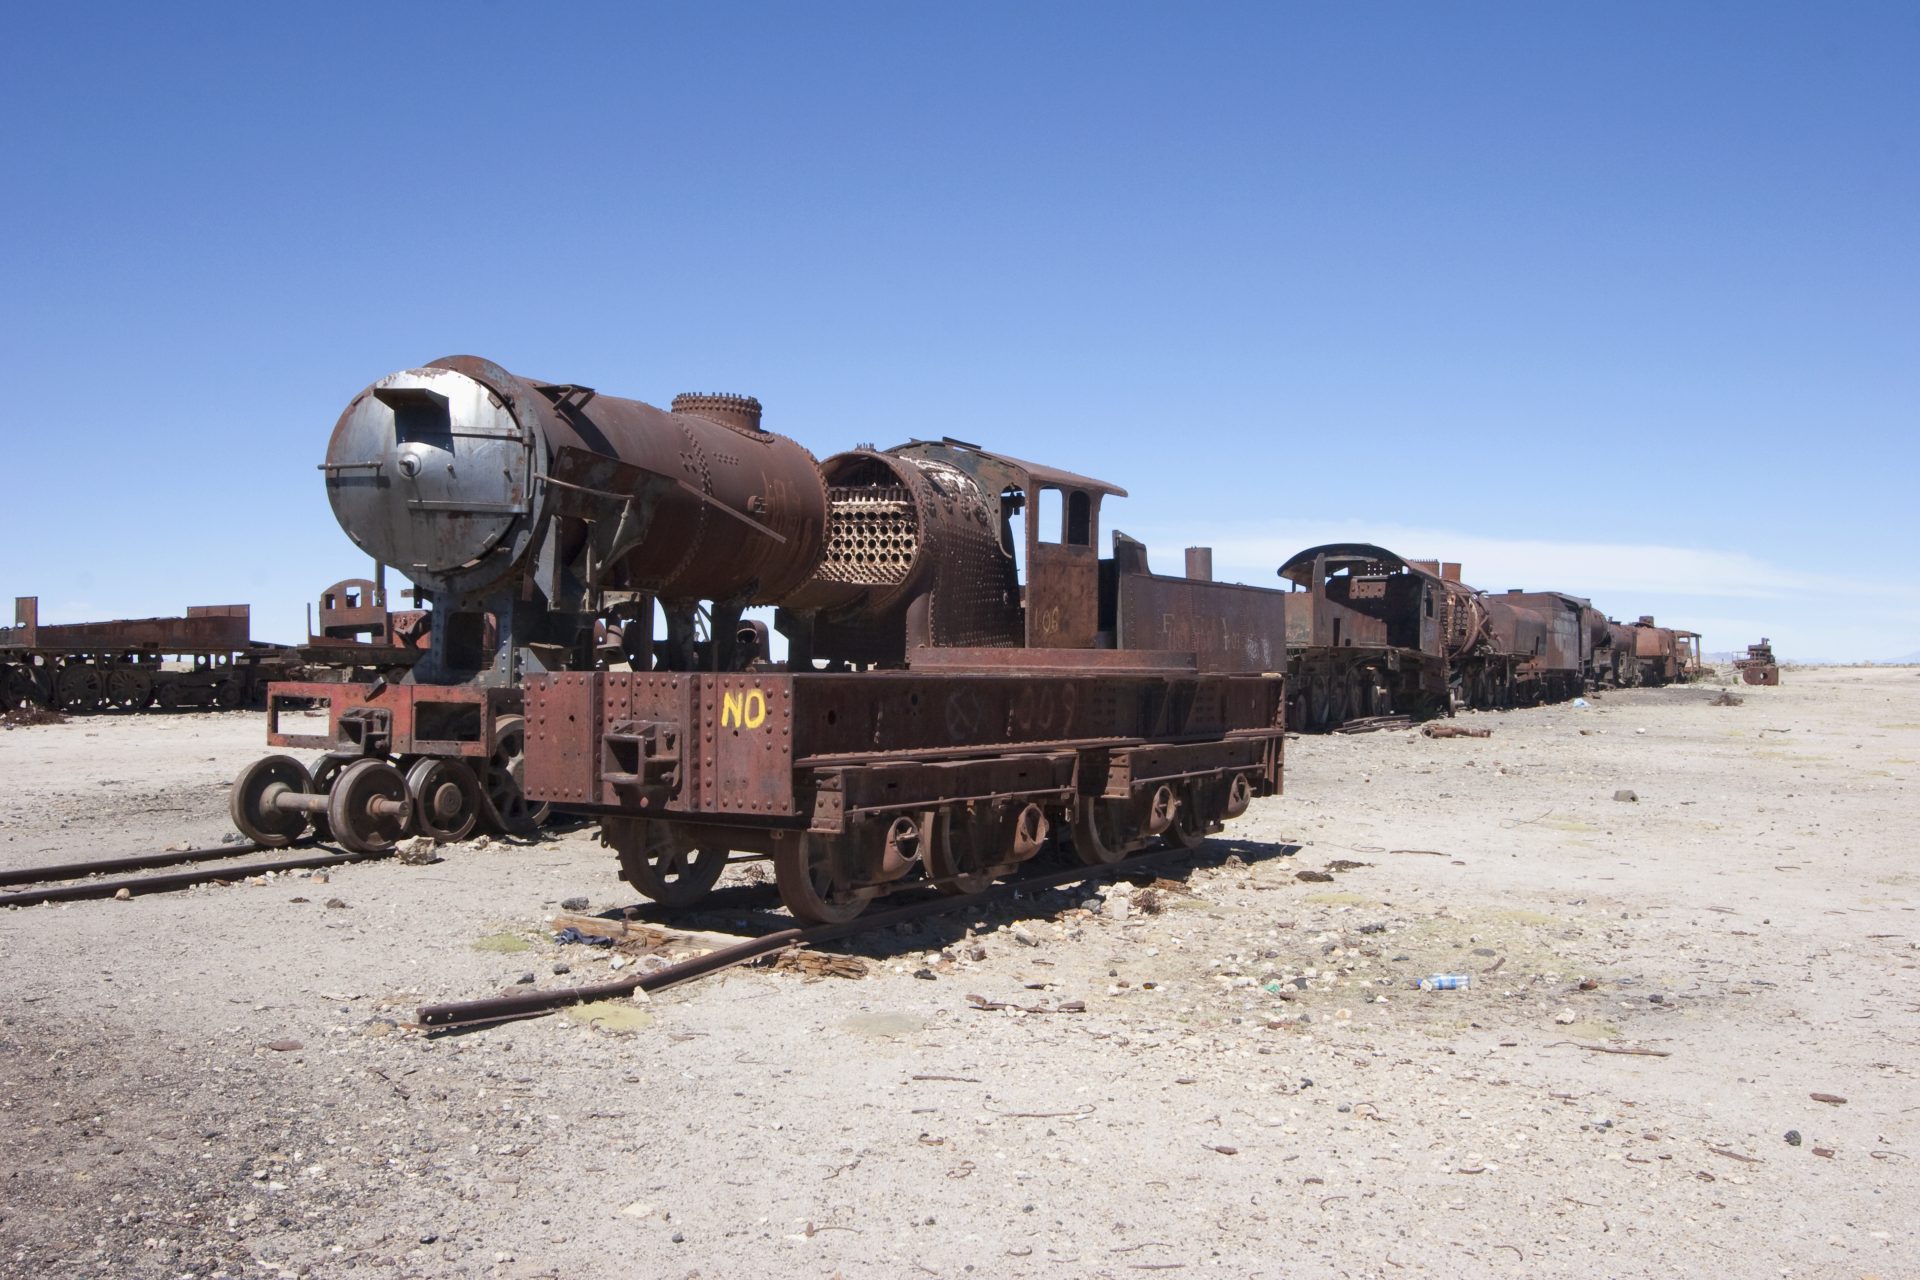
<point x="1604" y="294"/>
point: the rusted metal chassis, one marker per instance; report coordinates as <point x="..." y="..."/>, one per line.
<point x="379" y="719"/>
<point x="756" y="759"/>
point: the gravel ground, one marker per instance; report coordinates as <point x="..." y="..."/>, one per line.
<point x="223" y="1082"/>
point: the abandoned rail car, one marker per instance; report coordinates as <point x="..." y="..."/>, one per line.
<point x="206" y="657"/>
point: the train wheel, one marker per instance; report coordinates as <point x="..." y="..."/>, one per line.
<point x="8" y="700"/>
<point x="81" y="688"/>
<point x="507" y="807"/>
<point x="168" y="696"/>
<point x="1101" y="832"/>
<point x="128" y="687"/>
<point x="446" y="798"/>
<point x="1239" y="796"/>
<point x="367" y="809"/>
<point x="959" y="850"/>
<point x="230" y="694"/>
<point x="654" y="860"/>
<point x="809" y="884"/>
<point x="250" y="802"/>
<point x="324" y="774"/>
<point x="1189" y="824"/>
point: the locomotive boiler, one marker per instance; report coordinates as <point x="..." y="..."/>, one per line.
<point x="522" y="511"/>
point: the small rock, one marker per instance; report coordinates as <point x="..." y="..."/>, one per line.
<point x="562" y="969"/>
<point x="1023" y="937"/>
<point x="926" y="975"/>
<point x="337" y="903"/>
<point x="123" y="895"/>
<point x="285" y="1046"/>
<point x="976" y="952"/>
<point x="573" y="904"/>
<point x="1312" y="877"/>
<point x="524" y="980"/>
<point x="1793" y="1137"/>
<point x="418" y="852"/>
<point x="1656" y="999"/>
<point x="483" y="842"/>
<point x="1624" y="794"/>
<point x="618" y="962"/>
<point x="1566" y="1017"/>
<point x="678" y="1238"/>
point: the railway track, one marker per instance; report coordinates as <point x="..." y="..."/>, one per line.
<point x="79" y="884"/>
<point x="461" y="1015"/>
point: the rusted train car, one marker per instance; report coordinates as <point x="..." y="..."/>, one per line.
<point x="1370" y="633"/>
<point x="1556" y="637"/>
<point x="205" y="658"/>
<point x="966" y="678"/>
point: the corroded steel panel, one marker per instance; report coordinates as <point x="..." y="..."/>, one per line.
<point x="1228" y="627"/>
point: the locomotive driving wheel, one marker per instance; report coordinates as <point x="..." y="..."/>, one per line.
<point x="446" y="798"/>
<point x="807" y="874"/>
<point x="658" y="860"/>
<point x="128" y="687"/>
<point x="80" y="687"/>
<point x="507" y="807"/>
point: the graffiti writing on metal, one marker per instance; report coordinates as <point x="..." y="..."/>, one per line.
<point x="746" y="710"/>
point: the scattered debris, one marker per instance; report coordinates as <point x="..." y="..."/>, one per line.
<point x="1628" y="796"/>
<point x="1313" y="877"/>
<point x="1346" y="864"/>
<point x="1726" y="700"/>
<point x="1454" y="731"/>
<point x="573" y="904"/>
<point x="819" y="964"/>
<point x="1833" y="1099"/>
<point x="285" y="1046"/>
<point x="1065" y="1006"/>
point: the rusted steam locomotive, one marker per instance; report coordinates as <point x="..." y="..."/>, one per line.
<point x="938" y="718"/>
<point x="1371" y="634"/>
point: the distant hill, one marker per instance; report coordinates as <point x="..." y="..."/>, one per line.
<point x="1909" y="660"/>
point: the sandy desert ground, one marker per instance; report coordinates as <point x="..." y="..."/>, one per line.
<point x="222" y="1082"/>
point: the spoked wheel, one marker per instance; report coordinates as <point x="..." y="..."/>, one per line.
<point x="231" y="694"/>
<point x="959" y="850"/>
<point x="251" y="801"/>
<point x="446" y="798"/>
<point x="367" y="809"/>
<point x="507" y="808"/>
<point x="656" y="859"/>
<point x="81" y="687"/>
<point x="128" y="687"/>
<point x="1189" y="824"/>
<point x="810" y="884"/>
<point x="169" y="696"/>
<point x="324" y="774"/>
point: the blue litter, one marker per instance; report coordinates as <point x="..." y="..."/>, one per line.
<point x="571" y="934"/>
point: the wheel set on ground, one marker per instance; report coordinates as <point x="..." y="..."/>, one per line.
<point x="364" y="804"/>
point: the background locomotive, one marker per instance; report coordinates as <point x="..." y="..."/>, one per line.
<point x="1370" y="633"/>
<point x="544" y="522"/>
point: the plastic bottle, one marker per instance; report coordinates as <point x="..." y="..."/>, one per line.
<point x="1445" y="982"/>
